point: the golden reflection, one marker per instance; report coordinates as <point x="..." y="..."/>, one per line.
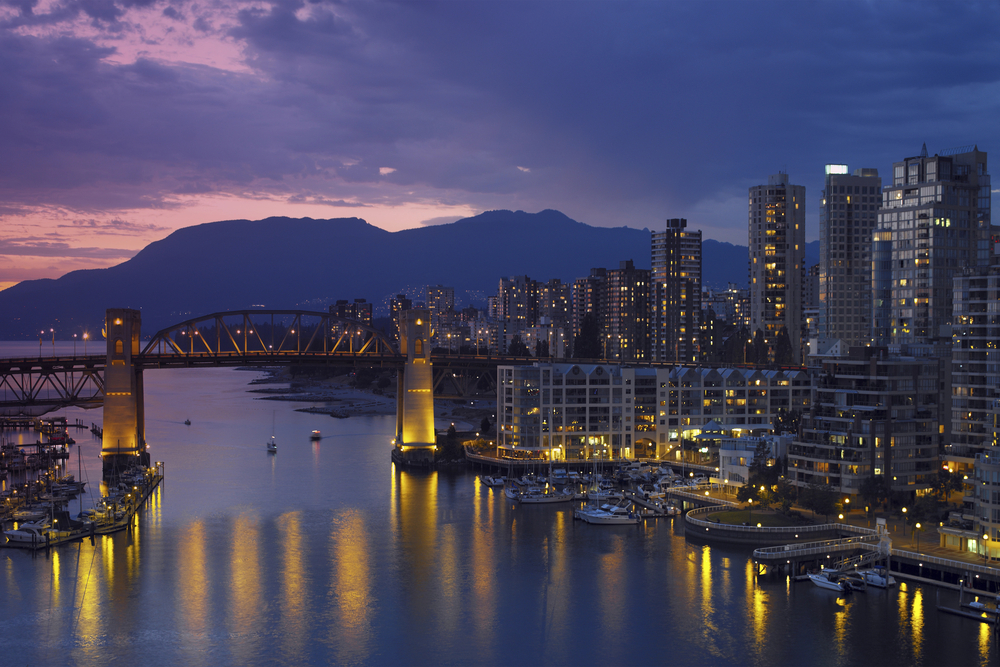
<point x="245" y="586"/>
<point x="840" y="628"/>
<point x="192" y="591"/>
<point x="484" y="579"/>
<point x="758" y="601"/>
<point x="985" y="632"/>
<point x="86" y="614"/>
<point x="132" y="552"/>
<point x="612" y="599"/>
<point x="917" y="622"/>
<point x="56" y="577"/>
<point x="351" y="590"/>
<point x="559" y="593"/>
<point x="294" y="588"/>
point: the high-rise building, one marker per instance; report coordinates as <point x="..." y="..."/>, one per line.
<point x="588" y="297"/>
<point x="441" y="302"/>
<point x="397" y="304"/>
<point x="360" y="310"/>
<point x="555" y="303"/>
<point x="872" y="414"/>
<point x="847" y="216"/>
<point x="675" y="293"/>
<point x="934" y="220"/>
<point x="517" y="302"/>
<point x="777" y="237"/>
<point x="626" y="313"/>
<point x="975" y="362"/>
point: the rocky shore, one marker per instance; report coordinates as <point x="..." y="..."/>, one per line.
<point x="342" y="400"/>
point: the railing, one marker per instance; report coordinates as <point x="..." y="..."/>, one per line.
<point x="935" y="560"/>
<point x="867" y="542"/>
<point x="719" y="502"/>
<point x="773" y="530"/>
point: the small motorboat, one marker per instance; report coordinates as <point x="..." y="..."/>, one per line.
<point x="316" y="435"/>
<point x="187" y="422"/>
<point x="491" y="480"/>
<point x="272" y="446"/>
<point x="878" y="577"/>
<point x="831" y="581"/>
<point x="608" y="514"/>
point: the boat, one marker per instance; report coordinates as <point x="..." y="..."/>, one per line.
<point x="491" y="480"/>
<point x="315" y="435"/>
<point x="831" y="581"/>
<point x="30" y="533"/>
<point x="876" y="576"/>
<point x="187" y="422"/>
<point x="272" y="445"/>
<point x="545" y="496"/>
<point x="559" y="476"/>
<point x="620" y="513"/>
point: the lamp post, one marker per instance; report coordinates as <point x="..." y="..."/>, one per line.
<point x="74" y="345"/>
<point x="745" y="351"/>
<point x="750" y="502"/>
<point x="53" y="332"/>
<point x="904" y="522"/>
<point x="916" y="532"/>
<point x="986" y="547"/>
<point x="40" y="334"/>
<point x="85" y="337"/>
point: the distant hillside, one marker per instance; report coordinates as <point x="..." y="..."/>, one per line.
<point x="309" y="264"/>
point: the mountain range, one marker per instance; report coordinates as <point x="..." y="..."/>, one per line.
<point x="307" y="264"/>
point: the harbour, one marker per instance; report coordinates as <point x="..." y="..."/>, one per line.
<point x="323" y="552"/>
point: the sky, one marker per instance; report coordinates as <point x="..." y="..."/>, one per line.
<point x="124" y="120"/>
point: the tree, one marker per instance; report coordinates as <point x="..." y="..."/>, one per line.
<point x="783" y="355"/>
<point x="518" y="348"/>
<point x="587" y="344"/>
<point x="484" y="426"/>
<point x="821" y="499"/>
<point x="874" y="490"/>
<point x="760" y="351"/>
<point x="541" y="349"/>
<point x="788" y="422"/>
<point x="947" y="482"/>
<point x="451" y="448"/>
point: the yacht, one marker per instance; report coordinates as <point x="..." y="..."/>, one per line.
<point x="537" y="496"/>
<point x="830" y="580"/>
<point x="28" y="533"/>
<point x="607" y="514"/>
<point x="877" y="576"/>
<point x="492" y="480"/>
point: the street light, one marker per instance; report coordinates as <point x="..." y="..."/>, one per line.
<point x="986" y="546"/>
<point x="74" y="345"/>
<point x="745" y="351"/>
<point x="53" y="332"/>
<point x="917" y="533"/>
<point x="750" y="501"/>
<point x="85" y="337"/>
<point x="40" y="334"/>
<point x="904" y="522"/>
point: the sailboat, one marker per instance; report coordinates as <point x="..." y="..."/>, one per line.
<point x="272" y="446"/>
<point x="537" y="496"/>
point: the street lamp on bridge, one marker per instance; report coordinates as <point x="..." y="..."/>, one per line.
<point x="85" y="337"/>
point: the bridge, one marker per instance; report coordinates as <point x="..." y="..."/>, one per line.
<point x="244" y="338"/>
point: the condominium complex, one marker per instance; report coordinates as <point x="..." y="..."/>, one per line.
<point x="777" y="237"/>
<point x="975" y="362"/>
<point x="872" y="414"/>
<point x="675" y="293"/>
<point x="935" y="220"/>
<point x="626" y="313"/>
<point x="581" y="411"/>
<point x="847" y="216"/>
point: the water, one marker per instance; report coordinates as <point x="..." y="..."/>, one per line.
<point x="324" y="554"/>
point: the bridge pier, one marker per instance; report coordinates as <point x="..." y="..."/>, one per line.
<point x="415" y="441"/>
<point x="124" y="438"/>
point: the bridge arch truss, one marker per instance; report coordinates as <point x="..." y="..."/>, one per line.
<point x="269" y="334"/>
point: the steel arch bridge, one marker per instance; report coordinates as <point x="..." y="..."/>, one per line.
<point x="244" y="334"/>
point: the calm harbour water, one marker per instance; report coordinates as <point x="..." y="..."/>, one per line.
<point x="324" y="554"/>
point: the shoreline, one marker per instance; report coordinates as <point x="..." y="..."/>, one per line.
<point x="345" y="401"/>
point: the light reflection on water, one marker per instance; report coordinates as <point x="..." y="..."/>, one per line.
<point x="325" y="554"/>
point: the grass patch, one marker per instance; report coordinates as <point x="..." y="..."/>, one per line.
<point x="739" y="517"/>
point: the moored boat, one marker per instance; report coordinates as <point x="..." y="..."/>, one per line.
<point x="877" y="576"/>
<point x="831" y="581"/>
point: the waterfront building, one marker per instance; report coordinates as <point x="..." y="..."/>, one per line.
<point x="675" y="294"/>
<point x="737" y="454"/>
<point x="875" y="414"/>
<point x="847" y="216"/>
<point x="611" y="410"/>
<point x="777" y="237"/>
<point x="934" y="220"/>
<point x="975" y="362"/>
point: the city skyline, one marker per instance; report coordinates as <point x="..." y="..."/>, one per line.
<point x="129" y="122"/>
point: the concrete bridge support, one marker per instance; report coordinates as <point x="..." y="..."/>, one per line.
<point x="415" y="438"/>
<point x="124" y="439"/>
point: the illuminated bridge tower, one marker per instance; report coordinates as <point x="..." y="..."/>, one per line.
<point x="124" y="438"/>
<point x="415" y="438"/>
